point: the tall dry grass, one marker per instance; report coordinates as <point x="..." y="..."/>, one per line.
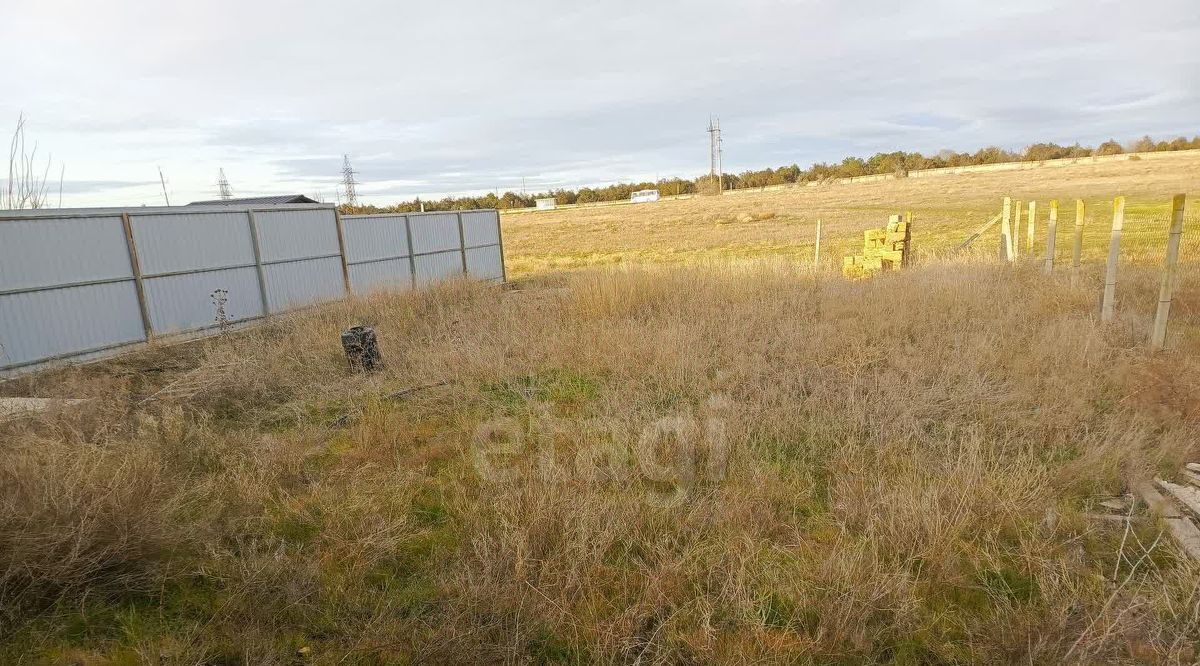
<point x="726" y="463"/>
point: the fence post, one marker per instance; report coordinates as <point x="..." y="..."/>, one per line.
<point x="1051" y="232"/>
<point x="817" y="251"/>
<point x="908" y="218"/>
<point x="1006" y="252"/>
<point x="500" y="242"/>
<point x="1032" y="228"/>
<point x="1016" y="245"/>
<point x="258" y="264"/>
<point x="337" y="221"/>
<point x="412" y="253"/>
<point x="1107" y="308"/>
<point x="1158" y="337"/>
<point x="1077" y="247"/>
<point x="135" y="265"/>
<point x="462" y="244"/>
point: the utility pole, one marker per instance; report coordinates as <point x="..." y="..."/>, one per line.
<point x="348" y="182"/>
<point x="716" y="170"/>
<point x="720" y="158"/>
<point x="223" y="190"/>
<point x="162" y="179"/>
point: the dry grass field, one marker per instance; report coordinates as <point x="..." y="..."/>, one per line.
<point x="694" y="460"/>
<point x="782" y="223"/>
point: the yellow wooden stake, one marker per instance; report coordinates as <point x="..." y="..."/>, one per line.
<point x="1158" y="335"/>
<point x="1032" y="227"/>
<point x="1006" y="243"/>
<point x="908" y="221"/>
<point x="1077" y="248"/>
<point x="1016" y="245"/>
<point x="1108" y="306"/>
<point x="1051" y="232"/>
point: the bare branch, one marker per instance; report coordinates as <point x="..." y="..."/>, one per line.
<point x="28" y="183"/>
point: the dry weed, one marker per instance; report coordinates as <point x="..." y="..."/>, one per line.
<point x="731" y="463"/>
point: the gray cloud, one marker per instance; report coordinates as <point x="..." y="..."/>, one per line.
<point x="473" y="95"/>
<point x="90" y="186"/>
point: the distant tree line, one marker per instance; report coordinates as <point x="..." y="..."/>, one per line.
<point x="899" y="163"/>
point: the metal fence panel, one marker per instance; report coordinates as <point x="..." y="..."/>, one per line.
<point x="172" y="242"/>
<point x="41" y="325"/>
<point x="434" y="232"/>
<point x="481" y="228"/>
<point x="433" y="267"/>
<point x="485" y="263"/>
<point x="296" y="234"/>
<point x="68" y="287"/>
<point x="185" y="302"/>
<point x="372" y="237"/>
<point x="393" y="274"/>
<point x="298" y="283"/>
<point x="48" y="251"/>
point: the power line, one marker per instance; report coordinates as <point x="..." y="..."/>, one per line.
<point x="348" y="182"/>
<point x="224" y="191"/>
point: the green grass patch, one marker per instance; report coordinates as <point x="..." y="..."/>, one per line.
<point x="1009" y="584"/>
<point x="565" y="388"/>
<point x="296" y="527"/>
<point x="547" y="648"/>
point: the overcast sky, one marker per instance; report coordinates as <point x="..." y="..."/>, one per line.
<point x="434" y="98"/>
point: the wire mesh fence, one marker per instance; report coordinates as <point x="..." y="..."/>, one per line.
<point x="1085" y="233"/>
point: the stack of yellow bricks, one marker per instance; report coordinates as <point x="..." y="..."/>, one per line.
<point x="885" y="248"/>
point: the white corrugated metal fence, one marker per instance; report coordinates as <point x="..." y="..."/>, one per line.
<point x="78" y="283"/>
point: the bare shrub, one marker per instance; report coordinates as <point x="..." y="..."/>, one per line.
<point x="27" y="185"/>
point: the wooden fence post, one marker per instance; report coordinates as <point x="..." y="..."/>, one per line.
<point x="1032" y="227"/>
<point x="1077" y="247"/>
<point x="1016" y="245"/>
<point x="462" y="244"/>
<point x="1158" y="336"/>
<point x="500" y="244"/>
<point x="1051" y="232"/>
<point x="908" y="218"/>
<point x="817" y="251"/>
<point x="135" y="264"/>
<point x="1107" y="307"/>
<point x="412" y="258"/>
<point x="341" y="236"/>
<point x="258" y="261"/>
<point x="1006" y="252"/>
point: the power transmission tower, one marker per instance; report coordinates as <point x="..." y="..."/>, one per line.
<point x="348" y="182"/>
<point x="716" y="170"/>
<point x="224" y="191"/>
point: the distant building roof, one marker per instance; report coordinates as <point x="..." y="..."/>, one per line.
<point x="277" y="199"/>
